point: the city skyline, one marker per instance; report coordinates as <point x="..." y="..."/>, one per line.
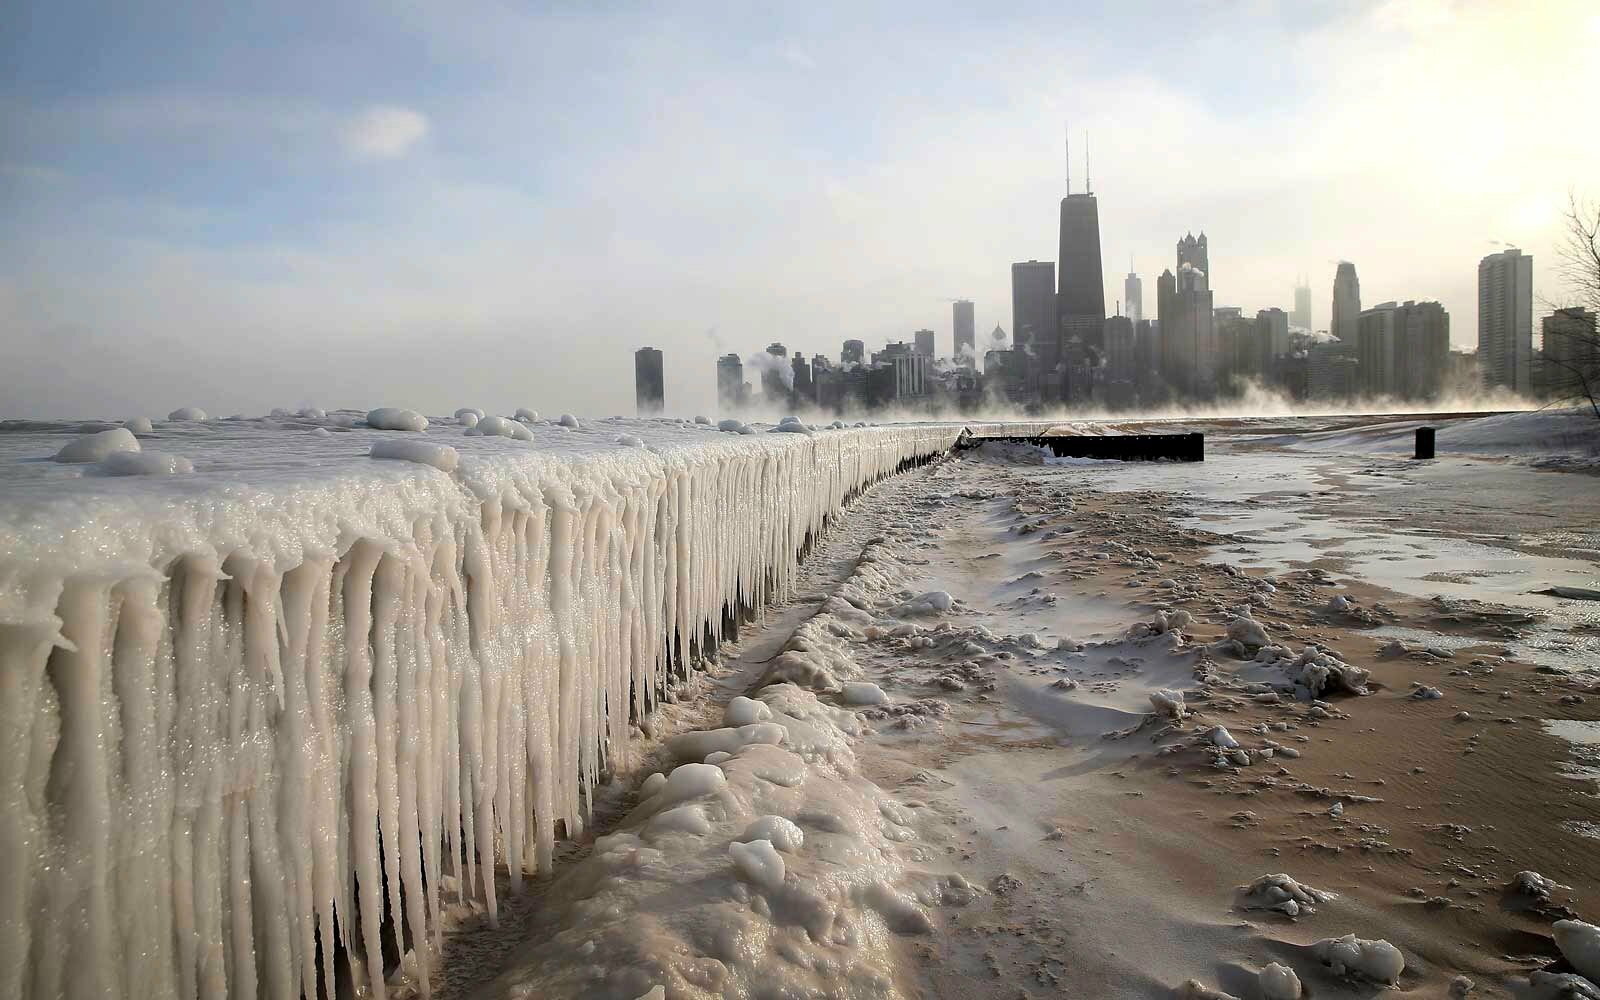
<point x="359" y="217"/>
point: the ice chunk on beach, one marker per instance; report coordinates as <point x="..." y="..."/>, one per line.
<point x="140" y="425"/>
<point x="1194" y="989"/>
<point x="187" y="413"/>
<point x="759" y="862"/>
<point x="1580" y="946"/>
<point x="1220" y="737"/>
<point x="143" y="463"/>
<point x="1376" y="960"/>
<point x="742" y="711"/>
<point x="396" y="418"/>
<point x="862" y="693"/>
<point x="1561" y="986"/>
<point x="934" y="602"/>
<point x="526" y="415"/>
<point x="1281" y="893"/>
<point x="1278" y="982"/>
<point x="1247" y="632"/>
<point x="782" y="832"/>
<point x="699" y="744"/>
<point x="95" y="447"/>
<point x="440" y="456"/>
<point x="568" y="421"/>
<point x="629" y="441"/>
<point x="499" y="427"/>
<point x="690" y="781"/>
<point x="1168" y="702"/>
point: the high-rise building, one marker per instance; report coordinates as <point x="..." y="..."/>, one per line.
<point x="777" y="350"/>
<point x="1033" y="303"/>
<point x="1080" y="283"/>
<point x="730" y="381"/>
<point x="1301" y="317"/>
<point x="1569" y="355"/>
<point x="1197" y="255"/>
<point x="1505" y="320"/>
<point x="854" y="353"/>
<point x="1190" y="359"/>
<point x="1346" y="303"/>
<point x="1376" y="343"/>
<point x="1276" y="324"/>
<point x="1403" y="350"/>
<point x="964" y="323"/>
<point x="923" y="339"/>
<point x="649" y="387"/>
<point x="1133" y="297"/>
<point x="1331" y="370"/>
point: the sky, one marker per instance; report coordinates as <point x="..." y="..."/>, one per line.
<point x="240" y="206"/>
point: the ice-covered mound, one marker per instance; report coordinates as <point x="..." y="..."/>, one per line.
<point x="934" y="602"/>
<point x="1580" y="946"/>
<point x="526" y="415"/>
<point x="770" y="874"/>
<point x="396" y="418"/>
<point x="1315" y="672"/>
<point x="440" y="456"/>
<point x="499" y="427"/>
<point x="1194" y="989"/>
<point x="568" y="421"/>
<point x="142" y="463"/>
<point x="1378" y="961"/>
<point x="1561" y="986"/>
<point x="1281" y="893"/>
<point x="1278" y="982"/>
<point x="140" y="425"/>
<point x="187" y="414"/>
<point x="95" y="447"/>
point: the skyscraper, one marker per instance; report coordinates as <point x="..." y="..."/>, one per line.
<point x="1196" y="254"/>
<point x="730" y="381"/>
<point x="1346" y="303"/>
<point x="1133" y="298"/>
<point x="1301" y="317"/>
<point x="1081" y="292"/>
<point x="966" y="334"/>
<point x="1033" y="302"/>
<point x="648" y="384"/>
<point x="1505" y="320"/>
<point x="923" y="339"/>
<point x="854" y="353"/>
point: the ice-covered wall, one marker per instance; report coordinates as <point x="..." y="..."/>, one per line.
<point x="252" y="709"/>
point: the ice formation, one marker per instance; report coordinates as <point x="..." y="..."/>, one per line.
<point x="396" y="418"/>
<point x="140" y="425"/>
<point x="187" y="413"/>
<point x="1378" y="961"/>
<point x="440" y="456"/>
<point x="1278" y="982"/>
<point x="1282" y="893"/>
<point x="95" y="447"/>
<point x="142" y="463"/>
<point x="248" y="713"/>
<point x="1580" y="946"/>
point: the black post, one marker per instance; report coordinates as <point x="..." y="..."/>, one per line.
<point x="1424" y="442"/>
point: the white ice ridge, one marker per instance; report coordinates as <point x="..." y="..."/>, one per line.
<point x="237" y="704"/>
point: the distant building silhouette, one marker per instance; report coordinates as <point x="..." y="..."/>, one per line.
<point x="1403" y="349"/>
<point x="923" y="341"/>
<point x="801" y="391"/>
<point x="1301" y="317"/>
<point x="854" y="353"/>
<point x="649" y="386"/>
<point x="1331" y="370"/>
<point x="1346" y="303"/>
<point x="1196" y="254"/>
<point x="964" y="325"/>
<point x="1569" y="355"/>
<point x="1133" y="297"/>
<point x="1505" y="320"/>
<point x="1033" y="303"/>
<point x="1190" y="356"/>
<point x="1275" y="322"/>
<point x="730" y="381"/>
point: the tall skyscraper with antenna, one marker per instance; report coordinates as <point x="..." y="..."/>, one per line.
<point x="1081" y="295"/>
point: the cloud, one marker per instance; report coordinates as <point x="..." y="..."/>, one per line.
<point x="385" y="132"/>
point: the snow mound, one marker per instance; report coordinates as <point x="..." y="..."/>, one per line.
<point x="440" y="456"/>
<point x="95" y="447"/>
<point x="143" y="463"/>
<point x="862" y="693"/>
<point x="1580" y="946"/>
<point x="1281" y="893"/>
<point x="184" y="414"/>
<point x="1278" y="982"/>
<point x="140" y="425"/>
<point x="396" y="418"/>
<point x="1377" y="960"/>
<point x="629" y="441"/>
<point x="499" y="427"/>
<point x="526" y="415"/>
<point x="569" y="421"/>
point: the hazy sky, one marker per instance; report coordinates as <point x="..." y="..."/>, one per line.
<point x="248" y="205"/>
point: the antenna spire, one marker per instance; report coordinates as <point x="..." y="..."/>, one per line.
<point x="1088" y="181"/>
<point x="1068" y="129"/>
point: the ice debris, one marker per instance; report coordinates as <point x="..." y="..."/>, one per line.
<point x="1247" y="632"/>
<point x="780" y="831"/>
<point x="142" y="463"/>
<point x="1531" y="883"/>
<point x="1281" y="893"/>
<point x="1194" y="989"/>
<point x="184" y="414"/>
<point x="1167" y="702"/>
<point x="934" y="602"/>
<point x="499" y="427"/>
<point x="440" y="456"/>
<point x="1580" y="946"/>
<point x="396" y="418"/>
<point x="95" y="447"/>
<point x="140" y="425"/>
<point x="1561" y="986"/>
<point x="1349" y="955"/>
<point x="526" y="415"/>
<point x="569" y="421"/>
<point x="759" y="862"/>
<point x="1278" y="982"/>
